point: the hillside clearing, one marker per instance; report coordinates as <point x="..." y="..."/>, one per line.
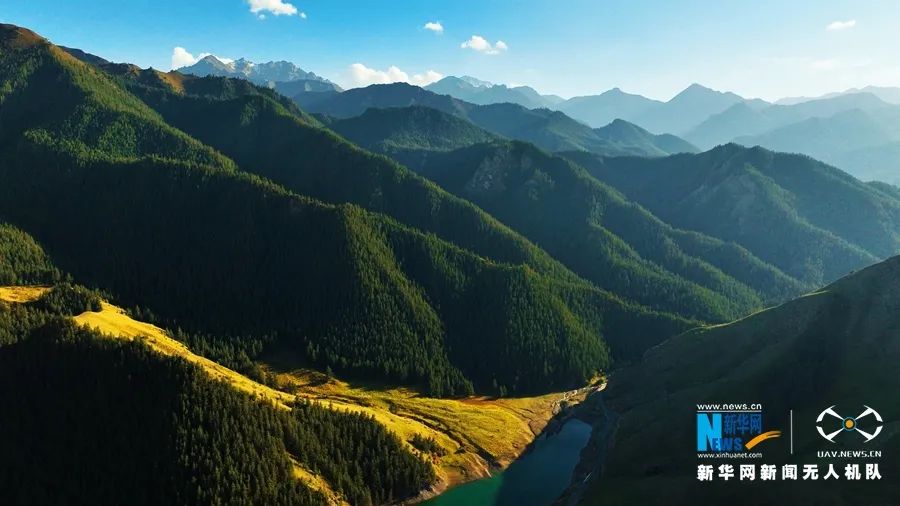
<point x="22" y="294"/>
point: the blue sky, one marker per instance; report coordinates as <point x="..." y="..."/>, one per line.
<point x="764" y="48"/>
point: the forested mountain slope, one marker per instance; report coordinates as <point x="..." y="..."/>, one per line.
<point x="602" y="236"/>
<point x="267" y="135"/>
<point x="118" y="196"/>
<point x="834" y="347"/>
<point x="186" y="439"/>
<point x="634" y="140"/>
<point x="812" y="221"/>
<point x="420" y="128"/>
<point x="128" y="203"/>
<point x="297" y="153"/>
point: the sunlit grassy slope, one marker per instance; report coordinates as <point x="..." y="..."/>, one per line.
<point x="475" y="434"/>
<point x="21" y="294"/>
<point x="113" y="321"/>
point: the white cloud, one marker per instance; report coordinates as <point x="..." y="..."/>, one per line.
<point x="434" y="26"/>
<point x="360" y="75"/>
<point x="182" y="58"/>
<point x="303" y="15"/>
<point x="480" y="44"/>
<point x="364" y="76"/>
<point x="427" y="78"/>
<point x="841" y="25"/>
<point x="276" y="7"/>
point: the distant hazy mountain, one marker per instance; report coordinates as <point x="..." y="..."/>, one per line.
<point x="857" y="132"/>
<point x="874" y="163"/>
<point x="810" y="220"/>
<point x="476" y="82"/>
<point x="599" y="110"/>
<point x="680" y="114"/>
<point x="888" y="94"/>
<point x="260" y="73"/>
<point x="292" y="88"/>
<point x="864" y="143"/>
<point x="686" y="110"/>
<point x="482" y="92"/>
<point x="550" y="130"/>
<point x="637" y="141"/>
<point x="744" y="119"/>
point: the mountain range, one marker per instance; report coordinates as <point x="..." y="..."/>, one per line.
<point x="852" y="129"/>
<point x="856" y="132"/>
<point x="742" y="120"/>
<point x="888" y="94"/>
<point x="483" y="93"/>
<point x="272" y="74"/>
<point x="865" y="143"/>
<point x="734" y="194"/>
<point x="701" y="116"/>
<point x="548" y="129"/>
<point x="683" y="112"/>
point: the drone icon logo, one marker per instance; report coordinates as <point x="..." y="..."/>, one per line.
<point x="849" y="424"/>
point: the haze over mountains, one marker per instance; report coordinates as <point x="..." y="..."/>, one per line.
<point x="854" y="130"/>
<point x="548" y="129"/>
<point x="865" y="145"/>
<point x="676" y="116"/>
<point x="886" y="93"/>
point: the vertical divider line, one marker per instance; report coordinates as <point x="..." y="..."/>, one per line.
<point x="792" y="432"/>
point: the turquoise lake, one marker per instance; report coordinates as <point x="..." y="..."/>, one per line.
<point x="536" y="479"/>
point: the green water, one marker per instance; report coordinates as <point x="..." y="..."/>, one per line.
<point x="536" y="479"/>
